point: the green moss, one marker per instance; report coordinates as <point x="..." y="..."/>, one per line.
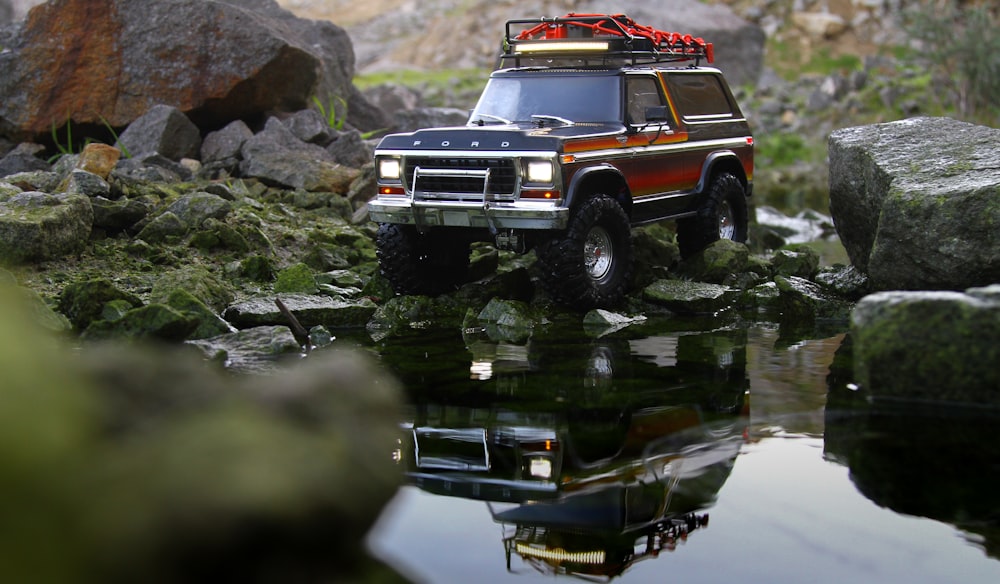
<point x="296" y="279"/>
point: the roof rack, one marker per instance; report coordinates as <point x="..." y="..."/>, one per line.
<point x="599" y="36"/>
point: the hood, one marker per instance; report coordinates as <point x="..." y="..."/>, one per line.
<point x="513" y="137"/>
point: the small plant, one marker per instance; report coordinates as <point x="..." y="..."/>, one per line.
<point x="334" y="118"/>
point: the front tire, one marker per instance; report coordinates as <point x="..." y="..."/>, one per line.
<point x="421" y="263"/>
<point x="722" y="215"/>
<point x="590" y="264"/>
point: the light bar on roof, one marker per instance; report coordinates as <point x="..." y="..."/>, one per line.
<point x="560" y="46"/>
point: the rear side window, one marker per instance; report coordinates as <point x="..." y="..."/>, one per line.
<point x="699" y="97"/>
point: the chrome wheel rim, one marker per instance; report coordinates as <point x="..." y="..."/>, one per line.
<point x="598" y="253"/>
<point x="727" y="225"/>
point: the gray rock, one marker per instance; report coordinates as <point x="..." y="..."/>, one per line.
<point x="194" y="209"/>
<point x="36" y="180"/>
<point x="38" y="226"/>
<point x="88" y="184"/>
<point x="350" y="149"/>
<point x="225" y="144"/>
<point x="162" y="130"/>
<point x="23" y="158"/>
<point x="253" y="350"/>
<point x="164" y="226"/>
<point x="119" y="215"/>
<point x="276" y="156"/>
<point x="915" y="202"/>
<point x="309" y="310"/>
<point x="938" y="346"/>
<point x="309" y="126"/>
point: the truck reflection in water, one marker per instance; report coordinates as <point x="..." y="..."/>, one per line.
<point x="591" y="455"/>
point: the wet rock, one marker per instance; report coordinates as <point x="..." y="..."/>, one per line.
<point x="403" y="313"/>
<point x="845" y="281"/>
<point x="513" y="314"/>
<point x="801" y="299"/>
<point x="690" y="297"/>
<point x="800" y="261"/>
<point x="162" y="130"/>
<point x="37" y="226"/>
<point x="717" y="261"/>
<point x="309" y="310"/>
<point x="915" y="202"/>
<point x="654" y="253"/>
<point x="253" y="350"/>
<point x="764" y="298"/>
<point x="938" y="346"/>
<point x="602" y="322"/>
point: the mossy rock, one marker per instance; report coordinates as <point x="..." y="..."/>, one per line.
<point x="153" y="321"/>
<point x="210" y="324"/>
<point x="199" y="281"/>
<point x="83" y="302"/>
<point x="257" y="268"/>
<point x="296" y="279"/>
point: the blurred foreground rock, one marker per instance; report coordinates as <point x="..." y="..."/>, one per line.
<point x="146" y="463"/>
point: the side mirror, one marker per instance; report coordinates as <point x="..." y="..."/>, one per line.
<point x="657" y="114"/>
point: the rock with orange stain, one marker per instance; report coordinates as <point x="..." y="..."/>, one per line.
<point x="95" y="63"/>
<point x="99" y="159"/>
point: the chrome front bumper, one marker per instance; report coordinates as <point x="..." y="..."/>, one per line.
<point x="491" y="215"/>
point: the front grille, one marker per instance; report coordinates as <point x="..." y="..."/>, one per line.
<point x="503" y="176"/>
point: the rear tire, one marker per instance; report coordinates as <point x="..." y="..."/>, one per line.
<point x="421" y="263"/>
<point x="590" y="264"/>
<point x="722" y="215"/>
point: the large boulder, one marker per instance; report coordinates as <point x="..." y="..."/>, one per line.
<point x="929" y="346"/>
<point x="97" y="62"/>
<point x="915" y="202"/>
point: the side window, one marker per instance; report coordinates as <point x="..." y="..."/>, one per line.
<point x="643" y="92"/>
<point x="699" y="96"/>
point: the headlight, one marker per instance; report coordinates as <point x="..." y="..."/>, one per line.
<point x="540" y="171"/>
<point x="388" y="168"/>
<point x="540" y="468"/>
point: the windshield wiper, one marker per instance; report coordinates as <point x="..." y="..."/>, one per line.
<point x="482" y="121"/>
<point x="541" y="118"/>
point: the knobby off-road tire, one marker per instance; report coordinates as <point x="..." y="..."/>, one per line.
<point x="590" y="264"/>
<point x="722" y="215"/>
<point x="421" y="263"/>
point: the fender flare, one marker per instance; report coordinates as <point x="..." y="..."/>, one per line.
<point x="573" y="192"/>
<point x="715" y="158"/>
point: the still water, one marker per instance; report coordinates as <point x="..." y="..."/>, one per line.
<point x="679" y="450"/>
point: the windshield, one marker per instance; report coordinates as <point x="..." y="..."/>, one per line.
<point x="569" y="97"/>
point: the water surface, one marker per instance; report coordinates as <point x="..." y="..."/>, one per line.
<point x="681" y="449"/>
